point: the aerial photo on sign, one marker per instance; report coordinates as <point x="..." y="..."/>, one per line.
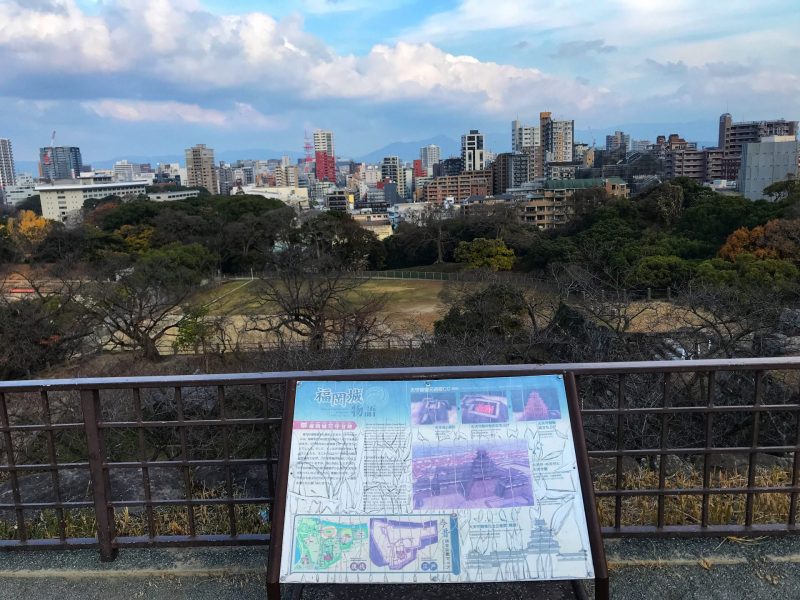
<point x="433" y="481"/>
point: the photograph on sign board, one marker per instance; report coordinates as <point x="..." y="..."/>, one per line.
<point x="471" y="474"/>
<point x="434" y="408"/>
<point x="484" y="407"/>
<point x="535" y="404"/>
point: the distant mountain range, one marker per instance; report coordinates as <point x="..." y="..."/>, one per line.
<point x="410" y="150"/>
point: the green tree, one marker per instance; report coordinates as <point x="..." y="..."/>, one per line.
<point x="483" y="253"/>
<point x="750" y="272"/>
<point x="664" y="204"/>
<point x="660" y="272"/>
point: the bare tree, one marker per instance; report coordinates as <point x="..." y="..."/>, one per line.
<point x="138" y="305"/>
<point x="41" y="325"/>
<point x="313" y="292"/>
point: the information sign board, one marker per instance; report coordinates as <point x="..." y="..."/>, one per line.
<point x="448" y="480"/>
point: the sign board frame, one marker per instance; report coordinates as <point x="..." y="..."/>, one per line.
<point x="601" y="588"/>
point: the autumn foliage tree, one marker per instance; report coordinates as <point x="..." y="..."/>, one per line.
<point x="779" y="238"/>
<point x="27" y="230"/>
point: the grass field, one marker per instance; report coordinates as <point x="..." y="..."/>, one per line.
<point x="406" y="300"/>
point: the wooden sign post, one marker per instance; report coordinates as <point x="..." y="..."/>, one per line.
<point x="434" y="481"/>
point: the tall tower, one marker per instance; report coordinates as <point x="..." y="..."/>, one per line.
<point x="725" y="122"/>
<point x="7" y="175"/>
<point x="60" y="162"/>
<point x="200" y="171"/>
<point x="472" y="152"/>
<point x="323" y="142"/>
<point x="429" y="155"/>
<point x="392" y="169"/>
<point x="324" y="157"/>
<point x="308" y="148"/>
<point x="557" y="138"/>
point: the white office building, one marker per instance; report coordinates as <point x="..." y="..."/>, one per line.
<point x="173" y="195"/>
<point x="430" y="155"/>
<point x="472" y="152"/>
<point x="125" y="171"/>
<point x="64" y="199"/>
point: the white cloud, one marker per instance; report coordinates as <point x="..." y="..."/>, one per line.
<point x="58" y="31"/>
<point x="178" y="50"/>
<point x="147" y="111"/>
<point x="183" y="45"/>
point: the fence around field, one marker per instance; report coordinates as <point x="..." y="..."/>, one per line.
<point x="191" y="460"/>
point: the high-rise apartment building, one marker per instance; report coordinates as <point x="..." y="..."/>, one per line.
<point x="733" y="136"/>
<point x="524" y="136"/>
<point x="60" y="162"/>
<point x="323" y="142"/>
<point x="472" y="151"/>
<point x="429" y="155"/>
<point x="699" y="165"/>
<point x="449" y="166"/>
<point x="557" y="138"/>
<point x="226" y="179"/>
<point x="200" y="171"/>
<point x="7" y="174"/>
<point x="325" y="166"/>
<point x="510" y="170"/>
<point x="287" y="176"/>
<point x="620" y="139"/>
<point x="392" y="169"/>
<point x="324" y="156"/>
<point x="459" y="187"/>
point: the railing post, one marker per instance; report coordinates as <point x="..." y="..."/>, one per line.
<point x="101" y="485"/>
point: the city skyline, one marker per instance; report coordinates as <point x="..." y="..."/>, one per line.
<point x="123" y="78"/>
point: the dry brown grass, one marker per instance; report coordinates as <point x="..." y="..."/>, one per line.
<point x="681" y="509"/>
<point x="168" y="520"/>
<point x="685" y="509"/>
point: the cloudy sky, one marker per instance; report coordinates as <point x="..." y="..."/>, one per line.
<point x="151" y="77"/>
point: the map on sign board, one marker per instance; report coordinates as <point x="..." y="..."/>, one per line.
<point x="433" y="481"/>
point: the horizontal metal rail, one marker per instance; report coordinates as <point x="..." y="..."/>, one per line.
<point x="219" y="454"/>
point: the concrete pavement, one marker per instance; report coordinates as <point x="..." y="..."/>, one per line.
<point x="707" y="568"/>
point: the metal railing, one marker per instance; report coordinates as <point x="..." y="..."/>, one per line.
<point x="191" y="460"/>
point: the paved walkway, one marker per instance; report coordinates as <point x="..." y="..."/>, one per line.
<point x="712" y="568"/>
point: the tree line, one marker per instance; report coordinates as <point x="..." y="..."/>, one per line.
<point x="125" y="276"/>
